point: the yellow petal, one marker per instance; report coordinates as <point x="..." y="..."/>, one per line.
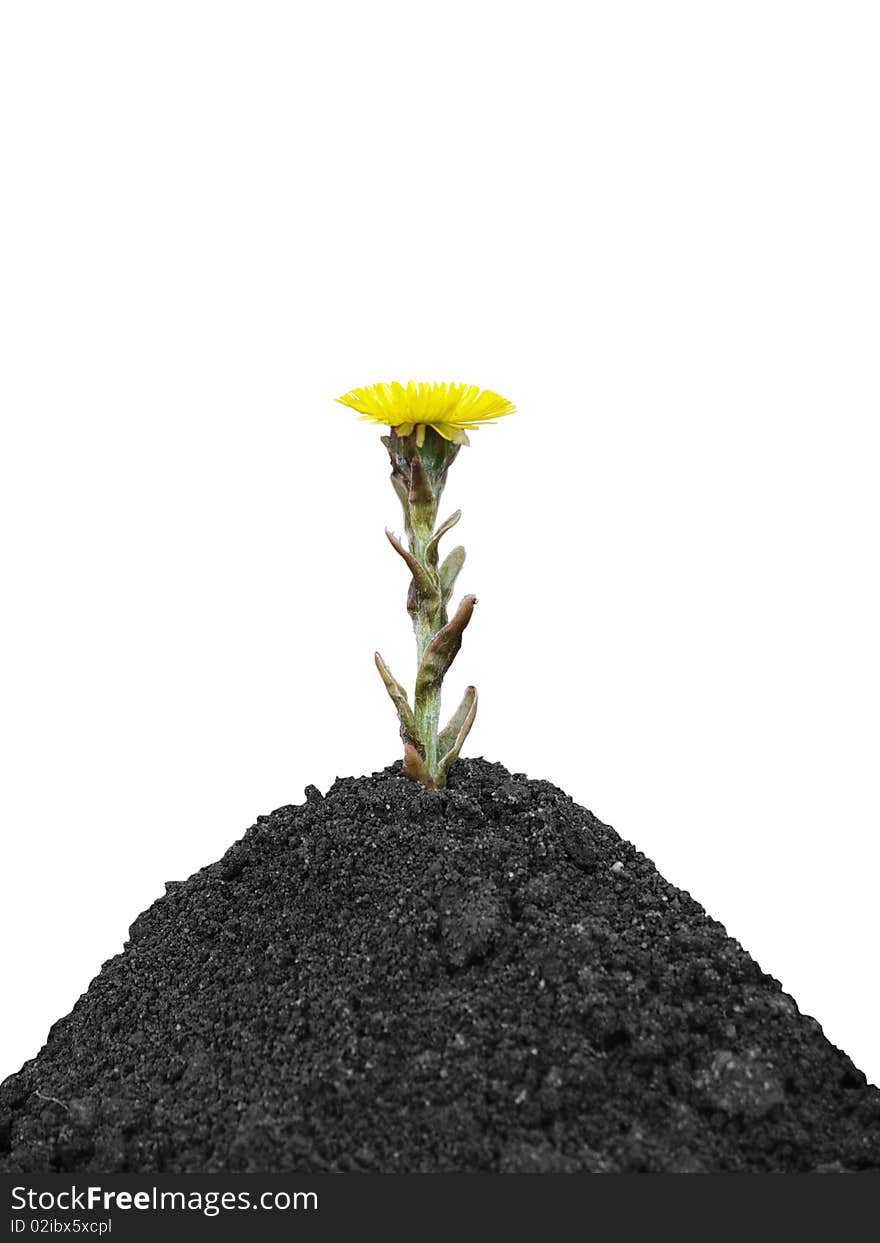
<point x="448" y="408"/>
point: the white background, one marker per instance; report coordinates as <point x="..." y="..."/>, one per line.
<point x="652" y="226"/>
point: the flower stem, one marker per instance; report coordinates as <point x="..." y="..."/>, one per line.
<point x="419" y="476"/>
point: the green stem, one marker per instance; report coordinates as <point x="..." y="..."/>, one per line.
<point x="419" y="476"/>
<point x="426" y="618"/>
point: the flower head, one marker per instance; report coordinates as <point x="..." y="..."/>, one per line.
<point x="450" y="409"/>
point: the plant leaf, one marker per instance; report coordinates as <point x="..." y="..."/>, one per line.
<point x="420" y="490"/>
<point x="421" y="577"/>
<point x="415" y="767"/>
<point x="432" y="550"/>
<point x="465" y="709"/>
<point x="408" y="730"/>
<point x="463" y="720"/>
<point x="450" y="570"/>
<point x="442" y="650"/>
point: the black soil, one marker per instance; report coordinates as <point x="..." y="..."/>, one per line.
<point x="389" y="979"/>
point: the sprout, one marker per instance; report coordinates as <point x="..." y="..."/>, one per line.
<point x="429" y="424"/>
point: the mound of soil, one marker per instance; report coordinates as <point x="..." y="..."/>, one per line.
<point x="391" y="979"/>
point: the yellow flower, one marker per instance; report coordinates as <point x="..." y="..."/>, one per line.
<point x="448" y="408"/>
